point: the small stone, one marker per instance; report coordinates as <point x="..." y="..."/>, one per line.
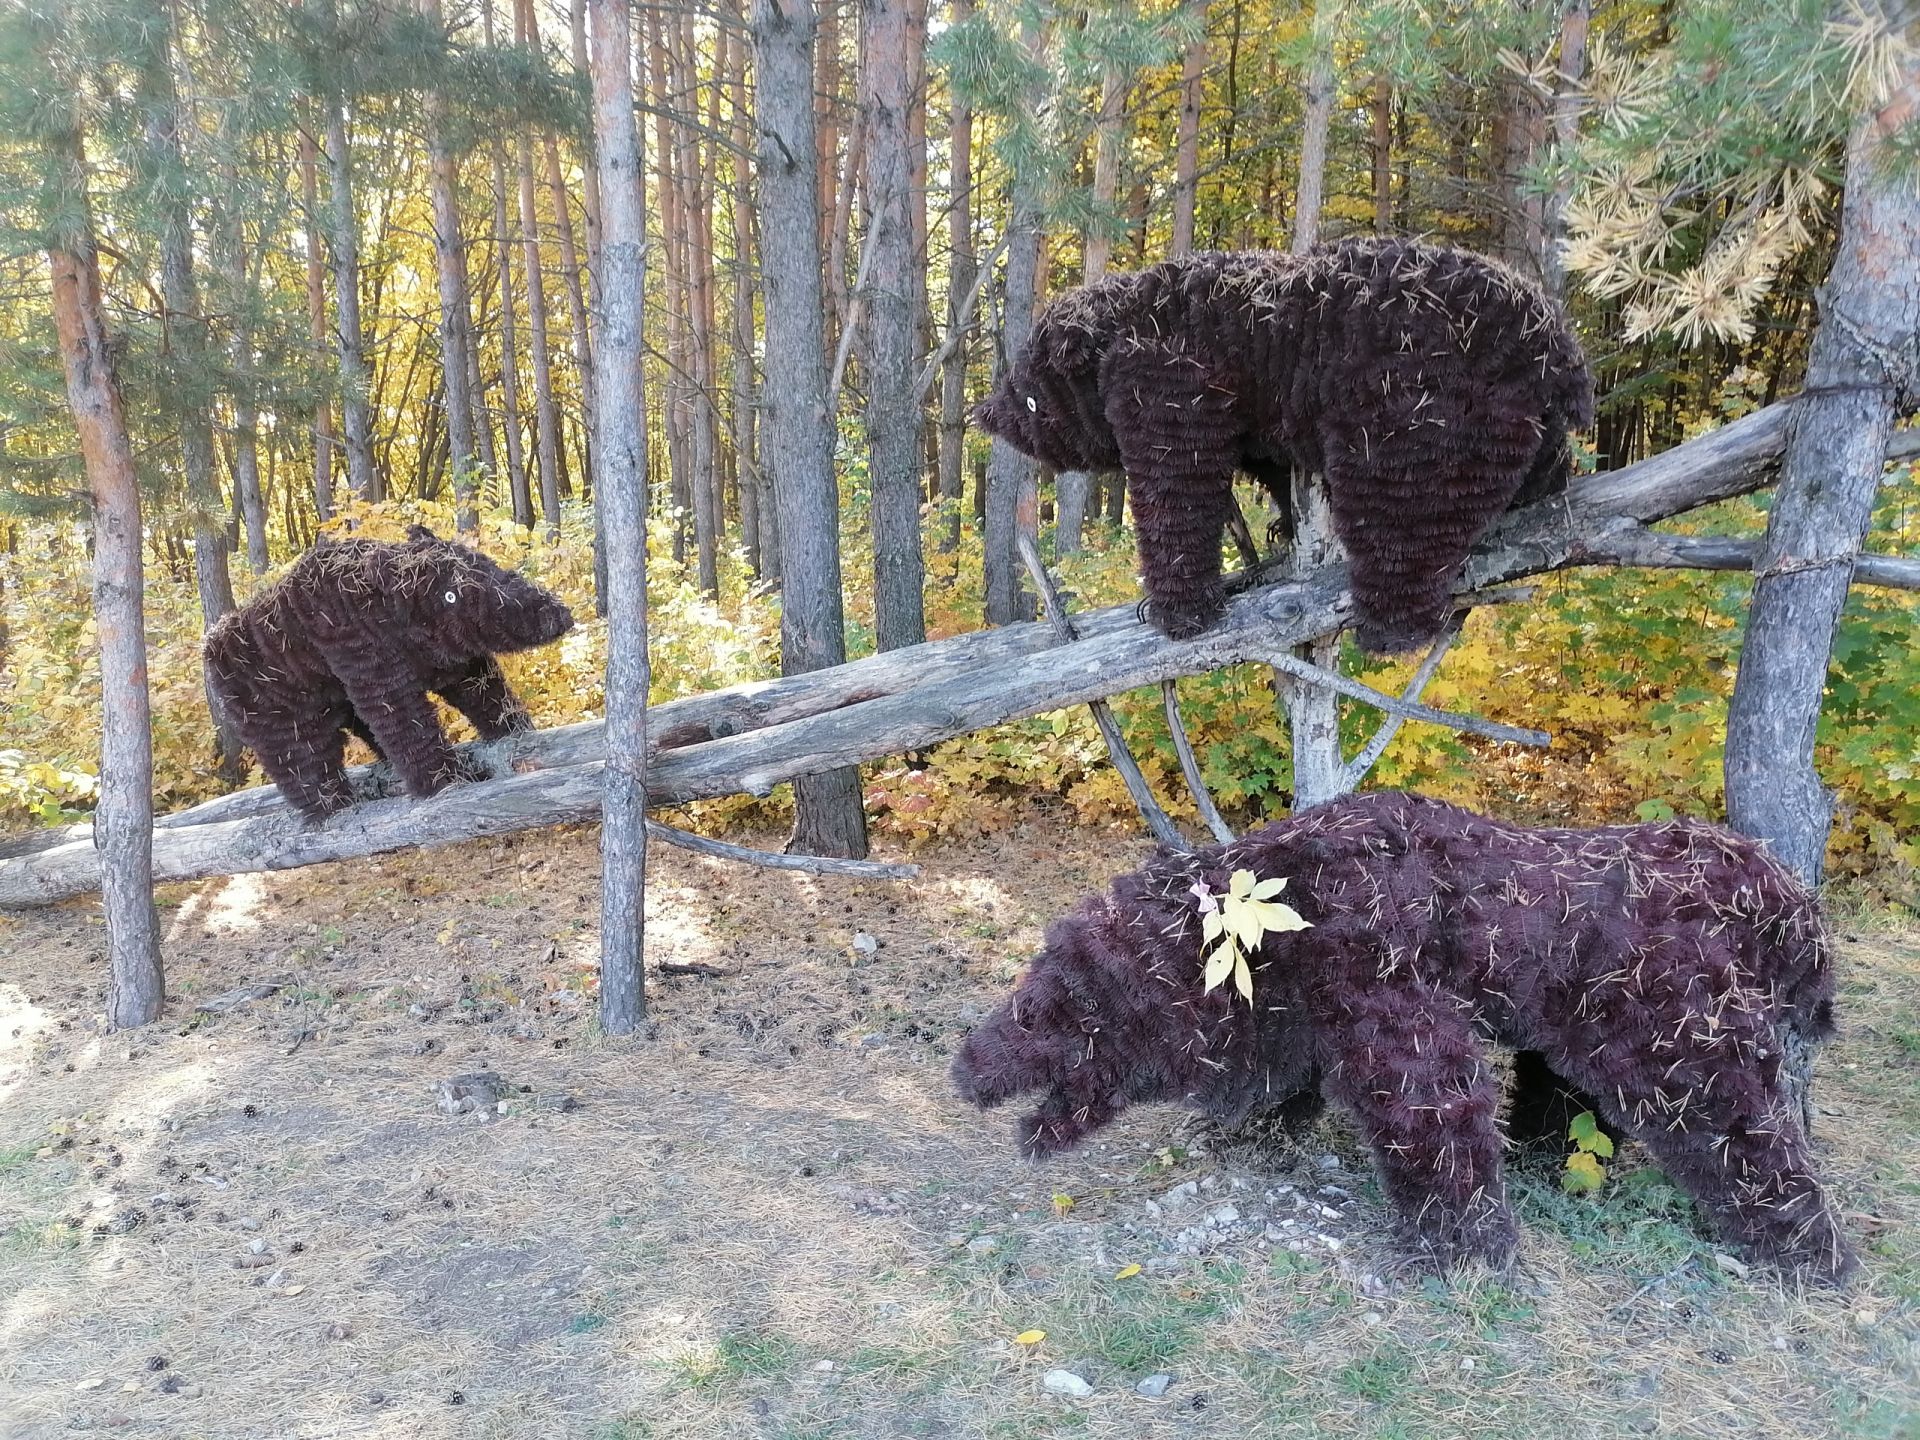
<point x="823" y="1365"/>
<point x="1866" y="1319"/>
<point x="866" y="944"/>
<point x="339" y="1330"/>
<point x="1223" y="1216"/>
<point x="1154" y="1386"/>
<point x="1329" y="1162"/>
<point x="247" y="1222"/>
<point x="557" y="1100"/>
<point x="1372" y="1317"/>
<point x="1467" y="1364"/>
<point x="252" y="1262"/>
<point x="476" y="1094"/>
<point x="1065" y="1382"/>
<point x="258" y="1247"/>
<point x="192" y="1391"/>
<point x="983" y="1244"/>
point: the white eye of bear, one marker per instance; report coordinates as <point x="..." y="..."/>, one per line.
<point x="451" y="598"/>
<point x="1033" y="404"/>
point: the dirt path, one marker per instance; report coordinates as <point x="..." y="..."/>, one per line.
<point x="772" y="1218"/>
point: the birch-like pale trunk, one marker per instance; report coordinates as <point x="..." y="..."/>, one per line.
<point x="450" y="273"/>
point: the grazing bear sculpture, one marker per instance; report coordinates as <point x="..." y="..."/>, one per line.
<point x="1676" y="974"/>
<point x="353" y="639"/>
<point x="1433" y="389"/>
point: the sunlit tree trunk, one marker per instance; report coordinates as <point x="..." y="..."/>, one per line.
<point x="889" y="75"/>
<point x="571" y="273"/>
<point x="1568" y="101"/>
<point x="1860" y="379"/>
<point x="620" y="446"/>
<point x="1186" y="161"/>
<point x="317" y="326"/>
<point x="344" y="239"/>
<point x="666" y="162"/>
<point x="231" y="257"/>
<point x="960" y="278"/>
<point x="798" y="420"/>
<point x="1313" y="130"/>
<point x="450" y="270"/>
<point x="169" y="187"/>
<point x="123" y="819"/>
<point x="697" y="207"/>
<point x="758" y="517"/>
<point x="546" y="417"/>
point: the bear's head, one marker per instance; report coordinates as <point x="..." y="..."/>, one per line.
<point x="1047" y="402"/>
<point x="1112" y="1014"/>
<point x="463" y="604"/>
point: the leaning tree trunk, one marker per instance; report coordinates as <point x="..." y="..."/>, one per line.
<point x="620" y="448"/>
<point x="798" y="423"/>
<point x="123" y="819"/>
<point x="889" y="75"/>
<point x="1860" y="378"/>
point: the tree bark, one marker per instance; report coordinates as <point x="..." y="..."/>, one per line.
<point x="344" y="239"/>
<point x="123" y="820"/>
<point x="889" y="77"/>
<point x="571" y="272"/>
<point x="1382" y="155"/>
<point x="759" y="520"/>
<point x="1568" y="102"/>
<point x="1186" y="161"/>
<point x="1320" y="93"/>
<point x="231" y="259"/>
<point x="798" y="420"/>
<point x="189" y="352"/>
<point x="546" y="416"/>
<point x="1109" y="136"/>
<point x="450" y="272"/>
<point x="1860" y="377"/>
<point x="960" y="278"/>
<point x="317" y="326"/>
<point x="621" y="447"/>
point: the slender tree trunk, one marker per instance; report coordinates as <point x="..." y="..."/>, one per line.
<point x="960" y="278"/>
<point x="673" y="229"/>
<point x="351" y="345"/>
<point x="1313" y="713"/>
<point x="123" y="819"/>
<point x="798" y="419"/>
<point x="889" y="75"/>
<point x="620" y="444"/>
<point x="758" y="517"/>
<point x="231" y="256"/>
<point x="1860" y="378"/>
<point x="1320" y="94"/>
<point x="191" y="356"/>
<point x="1569" y="100"/>
<point x="546" y="415"/>
<point x="450" y="270"/>
<point x="317" y="327"/>
<point x="1109" y="139"/>
<point x="571" y="272"/>
<point x="1187" y="143"/>
<point x="1382" y="155"/>
<point x="697" y="206"/>
<point x="826" y="103"/>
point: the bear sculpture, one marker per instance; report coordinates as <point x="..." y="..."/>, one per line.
<point x="1432" y="388"/>
<point x="353" y="639"/>
<point x="1673" y="975"/>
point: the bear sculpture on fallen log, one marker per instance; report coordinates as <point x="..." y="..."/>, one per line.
<point x="1432" y="389"/>
<point x="1674" y="973"/>
<point x="353" y="640"/>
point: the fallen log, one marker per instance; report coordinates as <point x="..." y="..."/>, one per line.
<point x="767" y="733"/>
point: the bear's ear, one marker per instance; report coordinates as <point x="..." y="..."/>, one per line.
<point x="418" y="533"/>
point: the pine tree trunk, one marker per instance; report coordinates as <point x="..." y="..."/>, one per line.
<point x="546" y="417"/>
<point x="798" y="421"/>
<point x="1187" y="140"/>
<point x="123" y="819"/>
<point x="758" y="518"/>
<point x="1382" y="155"/>
<point x="571" y="273"/>
<point x="191" y="357"/>
<point x="1109" y="138"/>
<point x="1569" y="100"/>
<point x="1860" y="379"/>
<point x="697" y="206"/>
<point x="317" y="326"/>
<point x="450" y="271"/>
<point x="673" y="228"/>
<point x="1320" y="94"/>
<point x="1313" y="713"/>
<point x="889" y="75"/>
<point x="231" y="256"/>
<point x="960" y="278"/>
<point x="344" y="238"/>
<point x="621" y="447"/>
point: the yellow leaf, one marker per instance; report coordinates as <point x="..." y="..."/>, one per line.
<point x="1127" y="1273"/>
<point x="1220" y="963"/>
<point x="1062" y="1204"/>
<point x="1029" y="1337"/>
<point x="1211" y="924"/>
<point x="445" y="937"/>
<point x="1243" y="978"/>
<point x="1267" y="889"/>
<point x="293" y="1289"/>
<point x="1241" y="885"/>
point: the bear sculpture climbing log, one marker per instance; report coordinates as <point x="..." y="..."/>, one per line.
<point x="353" y="639"/>
<point x="1675" y="973"/>
<point x="1433" y="389"/>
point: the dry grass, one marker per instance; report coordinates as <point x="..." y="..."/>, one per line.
<point x="779" y="1178"/>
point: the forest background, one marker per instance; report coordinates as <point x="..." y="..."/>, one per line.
<point x="348" y="257"/>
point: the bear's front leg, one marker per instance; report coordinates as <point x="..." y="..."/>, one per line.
<point x="1178" y="434"/>
<point x="1403" y="1060"/>
<point x="484" y="697"/>
<point x="390" y="700"/>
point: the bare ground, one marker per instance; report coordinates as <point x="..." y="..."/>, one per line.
<point x="772" y="1218"/>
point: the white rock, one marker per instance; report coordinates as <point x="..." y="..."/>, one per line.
<point x="1065" y="1382"/>
<point x="1154" y="1386"/>
<point x="823" y="1365"/>
<point x="1223" y="1215"/>
<point x="1329" y="1162"/>
<point x="865" y="943"/>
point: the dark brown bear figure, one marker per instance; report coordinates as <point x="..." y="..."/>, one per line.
<point x="1675" y="973"/>
<point x="1432" y="388"/>
<point x="353" y="639"/>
